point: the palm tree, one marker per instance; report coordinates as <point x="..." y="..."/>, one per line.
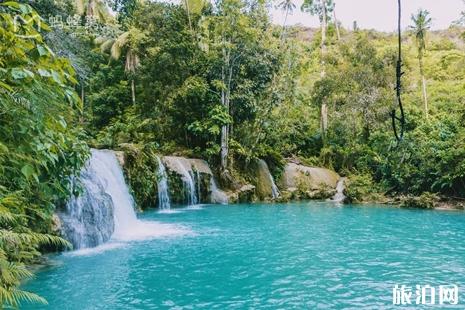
<point x="421" y="24"/>
<point x="94" y="8"/>
<point x="126" y="41"/>
<point x="288" y="7"/>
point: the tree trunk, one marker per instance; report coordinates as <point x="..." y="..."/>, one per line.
<point x="82" y="93"/>
<point x="186" y="3"/>
<point x="323" y="26"/>
<point x="224" y="138"/>
<point x="324" y="107"/>
<point x="225" y="103"/>
<point x="423" y="82"/>
<point x="338" y="33"/>
<point x="283" y="32"/>
<point x="81" y="118"/>
<point x="425" y="98"/>
<point x="324" y="120"/>
<point x="133" y="91"/>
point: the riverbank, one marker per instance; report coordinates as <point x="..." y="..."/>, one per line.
<point x="430" y="202"/>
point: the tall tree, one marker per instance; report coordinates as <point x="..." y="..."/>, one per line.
<point x="421" y="24"/>
<point x="336" y="23"/>
<point x="321" y="8"/>
<point x="236" y="42"/>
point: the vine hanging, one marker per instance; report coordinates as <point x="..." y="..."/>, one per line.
<point x="399" y="132"/>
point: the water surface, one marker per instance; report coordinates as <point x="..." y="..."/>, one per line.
<point x="283" y="256"/>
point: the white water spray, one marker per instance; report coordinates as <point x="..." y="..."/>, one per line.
<point x="183" y="166"/>
<point x="163" y="195"/>
<point x="107" y="175"/>
<point x="217" y="195"/>
<point x="339" y="197"/>
<point x="274" y="188"/>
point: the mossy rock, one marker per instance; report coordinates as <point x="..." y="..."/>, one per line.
<point x="308" y="182"/>
<point x="424" y="201"/>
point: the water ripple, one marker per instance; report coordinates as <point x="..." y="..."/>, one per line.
<point x="293" y="256"/>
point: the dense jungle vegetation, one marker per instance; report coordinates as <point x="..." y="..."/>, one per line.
<point x="217" y="81"/>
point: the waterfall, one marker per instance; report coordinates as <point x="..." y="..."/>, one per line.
<point x="184" y="168"/>
<point x="105" y="209"/>
<point x="109" y="172"/>
<point x="88" y="219"/>
<point x="198" y="181"/>
<point x="339" y="197"/>
<point x="162" y="184"/>
<point x="274" y="189"/>
<point x="217" y="195"/>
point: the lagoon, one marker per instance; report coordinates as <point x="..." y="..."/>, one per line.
<point x="264" y="256"/>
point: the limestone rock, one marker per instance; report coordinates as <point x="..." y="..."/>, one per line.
<point x="120" y="157"/>
<point x="190" y="174"/>
<point x="245" y="193"/>
<point x="308" y="182"/>
<point x="265" y="186"/>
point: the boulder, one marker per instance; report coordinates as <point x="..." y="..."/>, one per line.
<point x="245" y="193"/>
<point x="265" y="187"/>
<point x="308" y="182"/>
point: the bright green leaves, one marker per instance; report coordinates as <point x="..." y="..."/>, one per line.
<point x="218" y="116"/>
<point x="42" y="50"/>
<point x="44" y="73"/>
<point x="29" y="172"/>
<point x="21" y="73"/>
<point x="39" y="151"/>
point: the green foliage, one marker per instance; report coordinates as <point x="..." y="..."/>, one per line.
<point x="141" y="168"/>
<point x="271" y="101"/>
<point x="360" y="188"/>
<point x="425" y="201"/>
<point x="198" y="69"/>
<point x="40" y="145"/>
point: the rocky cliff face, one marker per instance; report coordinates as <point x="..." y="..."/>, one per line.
<point x="191" y="181"/>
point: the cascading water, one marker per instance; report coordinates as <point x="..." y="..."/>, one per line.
<point x="106" y="209"/>
<point x="198" y="181"/>
<point x="274" y="189"/>
<point x="163" y="196"/>
<point x="189" y="185"/>
<point x="184" y="168"/>
<point x="217" y="195"/>
<point x="339" y="197"/>
<point x="88" y="219"/>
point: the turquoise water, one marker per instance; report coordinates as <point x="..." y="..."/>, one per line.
<point x="289" y="256"/>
